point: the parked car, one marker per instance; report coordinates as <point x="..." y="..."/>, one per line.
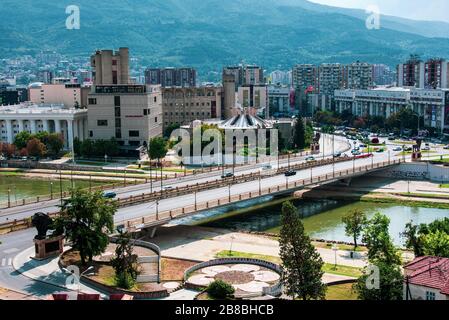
<point x="227" y="175"/>
<point x="337" y="155"/>
<point x="167" y="188"/>
<point x="446" y="147"/>
<point x="109" y="195"/>
<point x="290" y="173"/>
<point x="397" y="149"/>
<point x="310" y="159"/>
<point x="426" y="148"/>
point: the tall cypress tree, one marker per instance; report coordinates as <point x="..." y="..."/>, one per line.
<point x="299" y="137"/>
<point x="301" y="263"/>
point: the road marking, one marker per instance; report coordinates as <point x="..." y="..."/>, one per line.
<point x="10" y="262"/>
<point x="12" y="250"/>
<point x="3" y="262"/>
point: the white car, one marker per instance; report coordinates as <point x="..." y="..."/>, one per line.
<point x="397" y="149"/>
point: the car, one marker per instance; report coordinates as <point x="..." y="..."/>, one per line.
<point x="337" y="155"/>
<point x="109" y="195"/>
<point x="167" y="188"/>
<point x="227" y="175"/>
<point x="426" y="148"/>
<point x="310" y="158"/>
<point x="362" y="146"/>
<point x="290" y="173"/>
<point x="397" y="149"/>
<point x="356" y="152"/>
<point x="408" y="149"/>
<point x="380" y="150"/>
<point x="446" y="147"/>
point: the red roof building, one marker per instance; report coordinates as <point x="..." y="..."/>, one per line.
<point x="427" y="278"/>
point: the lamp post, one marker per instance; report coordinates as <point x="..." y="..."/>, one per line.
<point x="157" y="209"/>
<point x="335" y="249"/>
<point x="60" y="182"/>
<point x="105" y="158"/>
<point x="9" y="197"/>
<point x="51" y="190"/>
<point x="229" y="193"/>
<point x="195" y="201"/>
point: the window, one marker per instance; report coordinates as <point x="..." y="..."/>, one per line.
<point x="133" y="133"/>
<point x="145" y="112"/>
<point x="118" y="122"/>
<point x="155" y="99"/>
<point x="430" y="295"/>
<point x="92" y="101"/>
<point x="91" y="133"/>
<point x="117" y="101"/>
<point x="155" y="119"/>
<point x="117" y="112"/>
<point x="134" y="143"/>
<point x="102" y="123"/>
<point x="118" y="133"/>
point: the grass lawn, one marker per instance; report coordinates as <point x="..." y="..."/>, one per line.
<point x="328" y="268"/>
<point x="344" y="247"/>
<point x="444" y="185"/>
<point x="173" y="269"/>
<point x="341" y="292"/>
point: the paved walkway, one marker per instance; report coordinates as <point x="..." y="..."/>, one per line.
<point x="8" y="294"/>
<point x="45" y="271"/>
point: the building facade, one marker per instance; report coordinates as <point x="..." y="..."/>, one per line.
<point x="110" y="67"/>
<point x="70" y="122"/>
<point x="181" y="106"/>
<point x="171" y="77"/>
<point x="132" y="114"/>
<point x="358" y="75"/>
<point x="431" y="105"/>
<point x="255" y="99"/>
<point x="279" y="101"/>
<point x="68" y="94"/>
<point x="245" y="75"/>
<point x="305" y="76"/>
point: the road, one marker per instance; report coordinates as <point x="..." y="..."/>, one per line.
<point x="340" y="144"/>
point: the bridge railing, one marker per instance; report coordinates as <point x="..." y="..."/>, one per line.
<point x="163" y="216"/>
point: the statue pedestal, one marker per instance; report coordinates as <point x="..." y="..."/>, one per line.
<point x="46" y="248"/>
<point x="315" y="148"/>
<point x="416" y="156"/>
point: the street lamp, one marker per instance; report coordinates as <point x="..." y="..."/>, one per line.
<point x="335" y="249"/>
<point x="105" y="158"/>
<point x="51" y="190"/>
<point x="9" y="197"/>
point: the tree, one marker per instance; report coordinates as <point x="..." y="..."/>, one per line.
<point x="378" y="240"/>
<point x="299" y="138"/>
<point x="390" y="283"/>
<point x="301" y="263"/>
<point x="354" y="224"/>
<point x="125" y="261"/>
<point x="86" y="219"/>
<point x="170" y="128"/>
<point x="21" y="139"/>
<point x="436" y="244"/>
<point x="35" y="148"/>
<point x="157" y="148"/>
<point x="220" y="289"/>
<point x="413" y="239"/>
<point x="54" y="143"/>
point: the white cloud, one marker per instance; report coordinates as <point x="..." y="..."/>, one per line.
<point x="412" y="9"/>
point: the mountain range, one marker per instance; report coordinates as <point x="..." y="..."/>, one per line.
<point x="208" y="34"/>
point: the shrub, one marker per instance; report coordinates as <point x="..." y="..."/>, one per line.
<point x="220" y="289"/>
<point x="124" y="280"/>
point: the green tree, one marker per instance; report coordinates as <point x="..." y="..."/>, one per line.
<point x="54" y="143"/>
<point x="299" y="138"/>
<point x="413" y="240"/>
<point x="86" y="219"/>
<point x="170" y="128"/>
<point x="426" y="239"/>
<point x="301" y="263"/>
<point x="354" y="222"/>
<point x="378" y="240"/>
<point x="35" y="148"/>
<point x="390" y="283"/>
<point x="436" y="244"/>
<point x="157" y="148"/>
<point x="125" y="261"/>
<point x="21" y="139"/>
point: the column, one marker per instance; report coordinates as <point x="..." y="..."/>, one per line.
<point x="70" y="133"/>
<point x="57" y="126"/>
<point x="9" y="130"/>
<point x="81" y="129"/>
<point x="21" y="126"/>
<point x="33" y="126"/>
<point x="75" y="129"/>
<point x="45" y="125"/>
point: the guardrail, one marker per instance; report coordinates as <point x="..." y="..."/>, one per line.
<point x="165" y="216"/>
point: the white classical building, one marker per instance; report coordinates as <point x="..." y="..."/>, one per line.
<point x="70" y="122"/>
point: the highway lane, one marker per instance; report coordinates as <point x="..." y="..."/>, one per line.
<point x="340" y="144"/>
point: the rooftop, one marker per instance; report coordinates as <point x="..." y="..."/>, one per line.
<point x="30" y="108"/>
<point x="431" y="272"/>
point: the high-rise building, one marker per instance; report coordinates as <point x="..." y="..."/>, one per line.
<point x="254" y="99"/>
<point x="358" y="75"/>
<point x="305" y="76"/>
<point x="228" y="94"/>
<point x="245" y="75"/>
<point x="109" y="67"/>
<point x="383" y="75"/>
<point x="279" y="101"/>
<point x="411" y="73"/>
<point x="436" y="74"/>
<point x="130" y="113"/>
<point x="171" y="77"/>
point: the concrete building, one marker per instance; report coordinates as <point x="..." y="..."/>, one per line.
<point x="245" y="75"/>
<point x="305" y="76"/>
<point x="279" y="77"/>
<point x="436" y="74"/>
<point x="109" y="67"/>
<point x="229" y="95"/>
<point x="431" y="105"/>
<point x="70" y="122"/>
<point x="411" y="73"/>
<point x="279" y="101"/>
<point x="383" y="75"/>
<point x="427" y="278"/>
<point x="254" y="98"/>
<point x="171" y="77"/>
<point x="181" y="106"/>
<point x="68" y="94"/>
<point x="132" y="114"/>
<point x="358" y="75"/>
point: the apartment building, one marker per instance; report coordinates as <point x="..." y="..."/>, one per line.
<point x="305" y="76"/>
<point x="171" y="77"/>
<point x="358" y="75"/>
<point x="254" y="98"/>
<point x="110" y="67"/>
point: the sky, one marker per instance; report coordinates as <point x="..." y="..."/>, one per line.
<point x="412" y="9"/>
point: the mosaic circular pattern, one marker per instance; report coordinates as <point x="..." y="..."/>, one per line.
<point x="235" y="277"/>
<point x="215" y="269"/>
<point x="266" y="276"/>
<point x="201" y="280"/>
<point x="252" y="287"/>
<point x="170" y="285"/>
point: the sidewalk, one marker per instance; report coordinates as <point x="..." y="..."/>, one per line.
<point x="8" y="294"/>
<point x="47" y="271"/>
